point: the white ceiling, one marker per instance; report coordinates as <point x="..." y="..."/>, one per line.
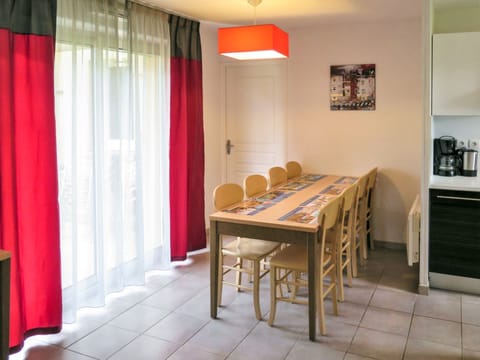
<point x="290" y="14"/>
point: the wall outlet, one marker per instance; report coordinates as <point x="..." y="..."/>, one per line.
<point x="461" y="143"/>
<point x="474" y="144"/>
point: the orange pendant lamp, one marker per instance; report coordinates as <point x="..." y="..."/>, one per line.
<point x="253" y="42"/>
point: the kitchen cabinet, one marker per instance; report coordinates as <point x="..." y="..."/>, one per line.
<point x="454" y="225"/>
<point x="456" y="74"/>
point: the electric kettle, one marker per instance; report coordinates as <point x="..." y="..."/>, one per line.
<point x="469" y="162"/>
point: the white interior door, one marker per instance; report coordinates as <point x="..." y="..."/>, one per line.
<point x="255" y="118"/>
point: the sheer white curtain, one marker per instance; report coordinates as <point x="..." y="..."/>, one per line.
<point x="112" y="112"/>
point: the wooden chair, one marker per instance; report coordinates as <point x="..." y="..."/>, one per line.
<point x="255" y="185"/>
<point x="294" y="169"/>
<point x="372" y="179"/>
<point x="242" y="249"/>
<point x="277" y="175"/>
<point x="359" y="237"/>
<point x="344" y="243"/>
<point x="294" y="259"/>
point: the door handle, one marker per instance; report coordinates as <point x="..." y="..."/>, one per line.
<point x="229" y="146"/>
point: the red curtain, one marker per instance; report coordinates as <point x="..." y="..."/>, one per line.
<point x="29" y="217"/>
<point x="187" y="163"/>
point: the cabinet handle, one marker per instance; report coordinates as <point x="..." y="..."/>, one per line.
<point x="456" y="198"/>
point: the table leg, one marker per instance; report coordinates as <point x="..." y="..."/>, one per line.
<point x="214" y="264"/>
<point x="312" y="288"/>
<point x="4" y="308"/>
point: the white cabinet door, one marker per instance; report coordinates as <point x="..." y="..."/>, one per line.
<point x="456" y="74"/>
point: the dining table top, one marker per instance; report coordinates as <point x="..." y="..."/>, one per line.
<point x="4" y="255"/>
<point x="292" y="205"/>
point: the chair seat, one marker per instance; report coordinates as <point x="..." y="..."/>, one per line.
<point x="295" y="258"/>
<point x="250" y="249"/>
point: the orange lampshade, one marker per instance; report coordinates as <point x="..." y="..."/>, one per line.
<point x="253" y="42"/>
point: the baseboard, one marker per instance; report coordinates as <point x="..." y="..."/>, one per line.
<point x="423" y="290"/>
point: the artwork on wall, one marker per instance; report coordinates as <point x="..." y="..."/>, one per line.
<point x="352" y="87"/>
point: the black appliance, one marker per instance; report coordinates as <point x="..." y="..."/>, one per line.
<point x="446" y="159"/>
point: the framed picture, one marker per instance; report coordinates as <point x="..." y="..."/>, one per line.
<point x="352" y="87"/>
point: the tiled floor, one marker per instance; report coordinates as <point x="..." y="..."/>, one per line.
<point x="382" y="318"/>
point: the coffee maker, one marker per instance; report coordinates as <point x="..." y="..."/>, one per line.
<point x="446" y="159"/>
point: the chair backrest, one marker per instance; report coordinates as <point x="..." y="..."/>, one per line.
<point x="255" y="184"/>
<point x="372" y="179"/>
<point x="294" y="169"/>
<point x="347" y="212"/>
<point x="360" y="199"/>
<point x="277" y="175"/>
<point x="349" y="196"/>
<point x="328" y="219"/>
<point x="227" y="194"/>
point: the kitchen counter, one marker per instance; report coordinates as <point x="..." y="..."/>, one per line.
<point x="462" y="183"/>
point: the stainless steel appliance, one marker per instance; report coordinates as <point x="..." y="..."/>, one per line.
<point x="446" y="159"/>
<point x="469" y="162"/>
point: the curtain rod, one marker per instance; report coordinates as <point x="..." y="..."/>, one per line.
<point x="167" y="11"/>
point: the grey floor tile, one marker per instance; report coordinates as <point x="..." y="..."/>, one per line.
<point x="103" y="342"/>
<point x="198" y="306"/>
<point x="339" y="335"/>
<point x="471" y="337"/>
<point x="349" y="356"/>
<point x="361" y="292"/>
<point x="265" y="342"/>
<point x="146" y="348"/>
<point x="438" y="307"/>
<point x="470" y="355"/>
<point x="394" y="300"/>
<point x="426" y="350"/>
<point x="170" y="317"/>
<point x="139" y="318"/>
<point x="378" y="345"/>
<point x="436" y="330"/>
<point x="391" y="321"/>
<point x="173" y="295"/>
<point x="469" y="298"/>
<point x="218" y="337"/>
<point x="189" y="352"/>
<point x="313" y="350"/>
<point x="348" y="313"/>
<point x="471" y="313"/>
<point x="72" y="332"/>
<point x="176" y="328"/>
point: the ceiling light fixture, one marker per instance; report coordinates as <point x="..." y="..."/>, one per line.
<point x="253" y="42"/>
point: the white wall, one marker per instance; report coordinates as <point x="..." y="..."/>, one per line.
<point x="344" y="142"/>
<point x="351" y="142"/>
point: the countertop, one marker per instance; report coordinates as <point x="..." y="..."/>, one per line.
<point x="462" y="183"/>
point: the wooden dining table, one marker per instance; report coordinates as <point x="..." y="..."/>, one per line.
<point x="287" y="213"/>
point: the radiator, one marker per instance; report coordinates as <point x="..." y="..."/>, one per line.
<point x="413" y="232"/>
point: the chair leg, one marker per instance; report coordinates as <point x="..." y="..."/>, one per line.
<point x="349" y="265"/>
<point x="363" y="243"/>
<point x="333" y="275"/>
<point x="339" y="270"/>
<point x="220" y="281"/>
<point x="321" y="312"/>
<point x="370" y="235"/>
<point x="273" y="294"/>
<point x="256" y="289"/>
<point x="239" y="274"/>
<point x="354" y="260"/>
